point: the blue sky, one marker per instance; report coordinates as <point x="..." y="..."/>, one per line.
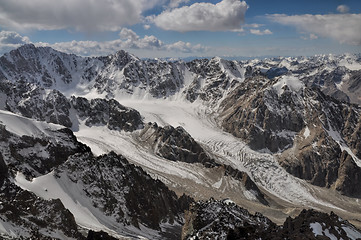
<point x="182" y="28"/>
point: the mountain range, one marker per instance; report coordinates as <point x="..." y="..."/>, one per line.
<point x="131" y="148"/>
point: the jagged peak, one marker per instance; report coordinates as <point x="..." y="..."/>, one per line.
<point x="124" y="54"/>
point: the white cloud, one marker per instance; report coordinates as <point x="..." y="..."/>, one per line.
<point x="10" y="38"/>
<point x="185" y="47"/>
<point x="259" y="32"/>
<point x="128" y="40"/>
<point x="127" y="33"/>
<point x="344" y="28"/>
<point x="81" y="15"/>
<point x="253" y="25"/>
<point x="146" y="26"/>
<point x="223" y="16"/>
<point x="343" y="9"/>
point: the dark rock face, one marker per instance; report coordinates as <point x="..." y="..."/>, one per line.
<point x="3" y="170"/>
<point x="175" y="144"/>
<point x="301" y="227"/>
<point x="124" y="191"/>
<point x="33" y="217"/>
<point x="92" y="235"/>
<point x="224" y="220"/>
<point x="107" y="112"/>
<point x="211" y="82"/>
<point x="34" y="156"/>
<point x="275" y="72"/>
<point x="258" y="116"/>
<point x="38" y="65"/>
<point x="349" y="174"/>
<point x="34" y="102"/>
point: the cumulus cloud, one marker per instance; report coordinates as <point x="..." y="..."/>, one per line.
<point x="343" y="9"/>
<point x="128" y="39"/>
<point x="81" y="15"/>
<point x="10" y="40"/>
<point x="260" y="32"/>
<point x="344" y="28"/>
<point x="223" y="16"/>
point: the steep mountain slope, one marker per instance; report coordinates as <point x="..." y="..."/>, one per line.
<point x="314" y="135"/>
<point x="50" y="183"/>
<point x="23" y="214"/>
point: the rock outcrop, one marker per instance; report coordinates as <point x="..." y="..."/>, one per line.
<point x="175" y="144"/>
<point x="38" y="155"/>
<point x="224" y="220"/>
<point x="123" y="191"/>
<point x="110" y="113"/>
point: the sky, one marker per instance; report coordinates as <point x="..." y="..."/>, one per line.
<point x="184" y="28"/>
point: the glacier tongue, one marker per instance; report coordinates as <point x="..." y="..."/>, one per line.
<point x="195" y="118"/>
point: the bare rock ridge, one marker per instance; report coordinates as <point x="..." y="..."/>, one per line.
<point x="176" y="144"/>
<point x="107" y="112"/>
<point x="226" y="220"/>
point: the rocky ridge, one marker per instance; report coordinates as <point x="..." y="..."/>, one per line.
<point x="176" y="144"/>
<point x="32" y="101"/>
<point x="225" y="220"/>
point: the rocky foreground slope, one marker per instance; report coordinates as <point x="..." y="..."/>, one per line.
<point x="46" y="173"/>
<point x="225" y="220"/>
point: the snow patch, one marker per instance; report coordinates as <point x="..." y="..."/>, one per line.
<point x="306" y="133"/>
<point x="352" y="233"/>
<point x="47" y="187"/>
<point x="351" y="65"/>
<point x="218" y="184"/>
<point x="24" y="126"/>
<point x="337" y="137"/>
<point x="292" y="82"/>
